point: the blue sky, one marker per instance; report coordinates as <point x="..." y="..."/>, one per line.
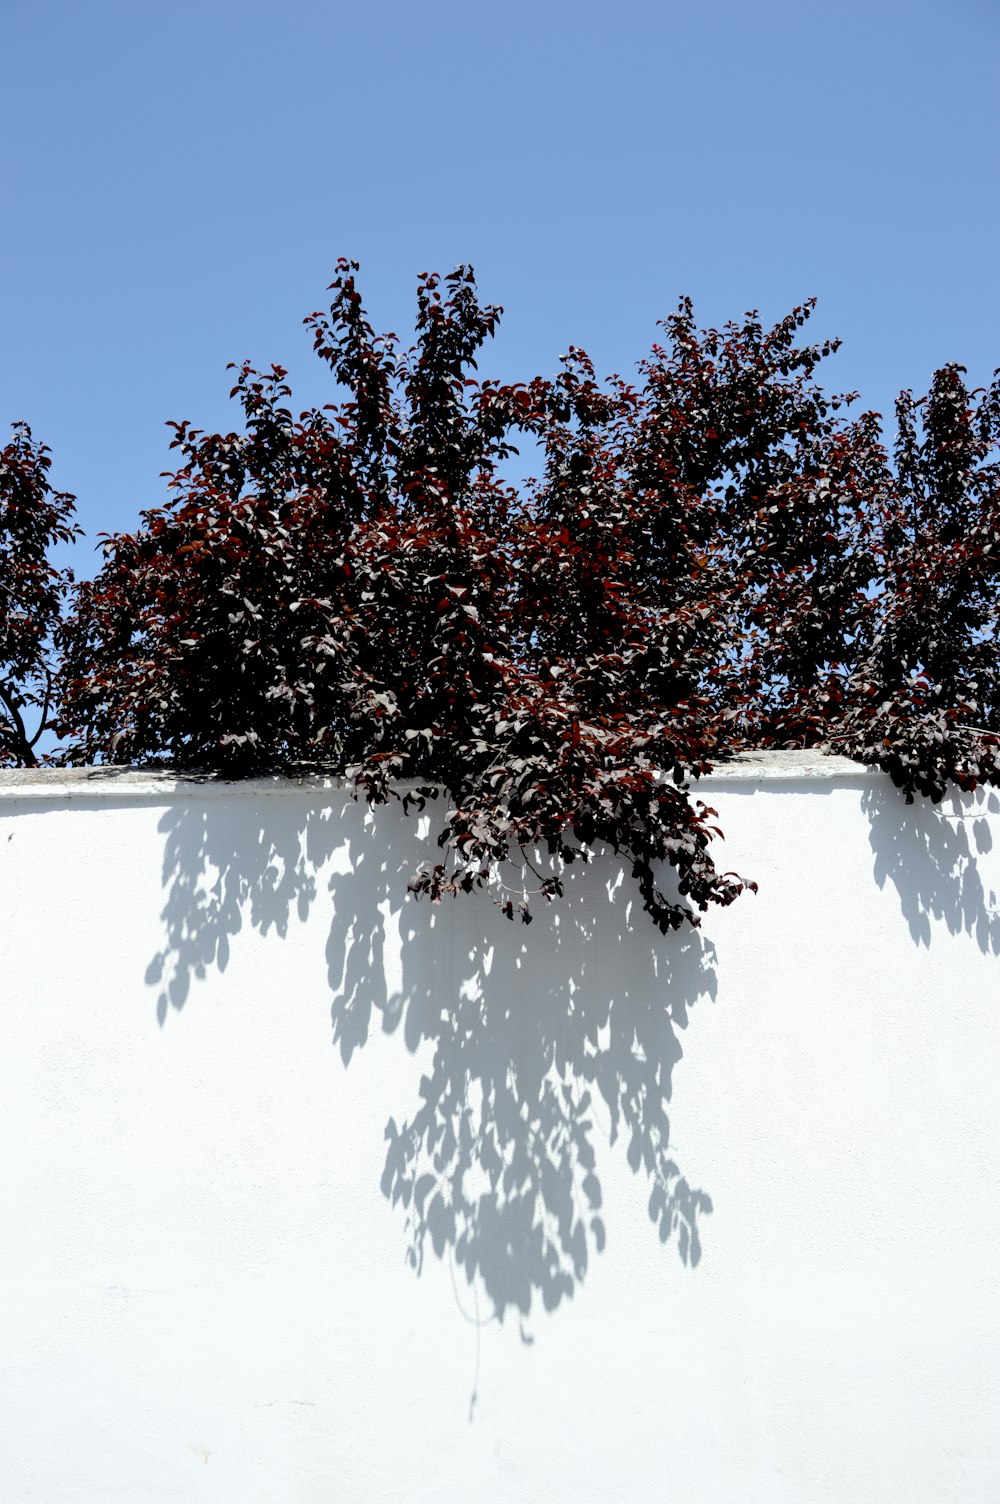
<point x="180" y="179"/>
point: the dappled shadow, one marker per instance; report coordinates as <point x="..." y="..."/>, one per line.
<point x="227" y="862"/>
<point x="543" y="1040"/>
<point x="931" y="855"/>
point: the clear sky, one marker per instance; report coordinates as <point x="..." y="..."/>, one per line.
<point x="179" y="179"/>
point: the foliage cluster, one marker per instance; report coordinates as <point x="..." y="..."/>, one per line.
<point x="714" y="557"/>
<point x="33" y="592"/>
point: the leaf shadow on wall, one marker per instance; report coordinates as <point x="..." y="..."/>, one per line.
<point x="543" y="1040"/>
<point x="931" y="853"/>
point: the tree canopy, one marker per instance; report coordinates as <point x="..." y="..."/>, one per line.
<point x="33" y="518"/>
<point x="716" y="556"/>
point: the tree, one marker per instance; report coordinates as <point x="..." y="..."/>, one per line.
<point x="923" y="698"/>
<point x="714" y="558"/>
<point x="33" y="517"/>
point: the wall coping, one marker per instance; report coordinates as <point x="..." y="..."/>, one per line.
<point x="158" y="784"/>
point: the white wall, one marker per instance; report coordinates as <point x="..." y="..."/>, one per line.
<point x="215" y="1000"/>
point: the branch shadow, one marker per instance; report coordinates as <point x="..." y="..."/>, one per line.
<point x="543" y="1041"/>
<point x="930" y="853"/>
<point x="226" y="863"/>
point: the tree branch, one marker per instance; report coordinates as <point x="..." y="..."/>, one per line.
<point x="21" y="747"/>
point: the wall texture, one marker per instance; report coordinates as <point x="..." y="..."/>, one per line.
<point x="312" y="1193"/>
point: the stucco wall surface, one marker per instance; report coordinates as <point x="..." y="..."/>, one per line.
<point x="313" y="1194"/>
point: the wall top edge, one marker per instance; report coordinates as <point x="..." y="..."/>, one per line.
<point x="57" y="784"/>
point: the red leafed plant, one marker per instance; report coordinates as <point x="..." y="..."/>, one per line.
<point x="713" y="558"/>
<point x="33" y="517"/>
